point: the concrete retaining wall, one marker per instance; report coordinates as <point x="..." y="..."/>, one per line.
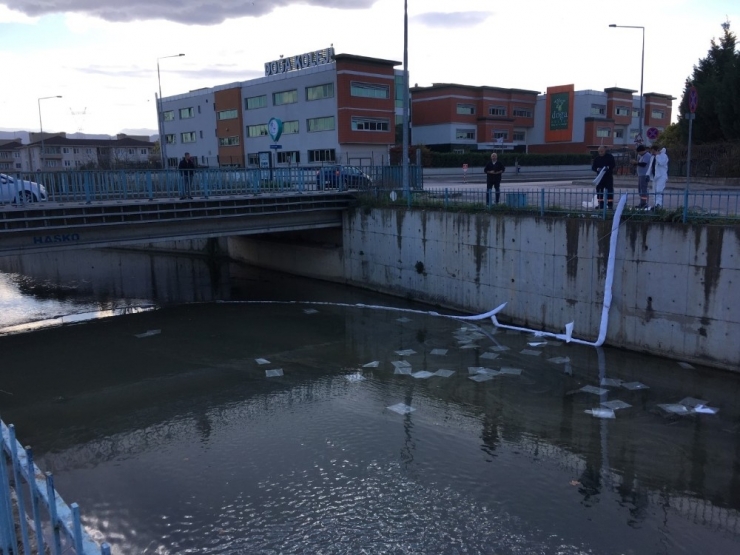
<point x="675" y="291"/>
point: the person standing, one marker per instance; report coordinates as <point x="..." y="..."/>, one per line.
<point x="187" y="169"/>
<point x="643" y="165"/>
<point x="606" y="162"/>
<point x="493" y="171"/>
<point x="659" y="173"/>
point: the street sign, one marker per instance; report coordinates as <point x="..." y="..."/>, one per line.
<point x="693" y="99"/>
<point x="276" y="147"/>
<point x="638" y="139"/>
<point x="653" y="133"/>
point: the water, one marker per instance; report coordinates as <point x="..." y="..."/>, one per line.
<point x="179" y="443"/>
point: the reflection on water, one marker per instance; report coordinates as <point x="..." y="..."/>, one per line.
<point x="179" y="443"/>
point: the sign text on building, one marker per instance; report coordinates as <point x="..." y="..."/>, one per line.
<point x="315" y="58"/>
<point x="559" y="104"/>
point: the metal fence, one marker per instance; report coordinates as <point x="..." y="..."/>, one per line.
<point x="683" y="206"/>
<point x="91" y="186"/>
<point x="33" y="516"/>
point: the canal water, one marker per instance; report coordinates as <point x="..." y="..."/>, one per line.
<point x="141" y="381"/>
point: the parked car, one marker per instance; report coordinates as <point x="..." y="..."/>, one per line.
<point x="342" y="177"/>
<point x="20" y="190"/>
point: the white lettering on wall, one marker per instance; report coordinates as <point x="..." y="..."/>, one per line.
<point x="309" y="59"/>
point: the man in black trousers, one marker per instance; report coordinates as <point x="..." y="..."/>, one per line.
<point x="187" y="169"/>
<point x="606" y="161"/>
<point x="493" y="170"/>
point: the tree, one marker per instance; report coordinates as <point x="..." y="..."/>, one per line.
<point x="670" y="137"/>
<point x="717" y="82"/>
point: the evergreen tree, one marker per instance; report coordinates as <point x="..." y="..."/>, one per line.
<point x="717" y="81"/>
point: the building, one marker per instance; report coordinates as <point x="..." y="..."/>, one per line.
<point x="63" y="154"/>
<point x="455" y="118"/>
<point x="334" y="108"/>
<point x="458" y="118"/>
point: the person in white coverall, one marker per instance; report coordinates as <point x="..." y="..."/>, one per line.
<point x="658" y="173"/>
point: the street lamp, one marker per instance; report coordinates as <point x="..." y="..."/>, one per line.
<point x="41" y="128"/>
<point x="160" y="118"/>
<point x="642" y="72"/>
<point x="405" y="134"/>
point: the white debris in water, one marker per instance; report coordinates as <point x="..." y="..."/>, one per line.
<point x="262" y="361"/>
<point x="500" y="348"/>
<point x="469" y="346"/>
<point x="401" y="408"/>
<point x="373" y="364"/>
<point x="148" y="333"/>
<point x="611" y="382"/>
<point x="481" y="377"/>
<point x="404" y="371"/>
<point x="691" y="402"/>
<point x="675" y="408"/>
<point x="559" y="360"/>
<point x="594" y="390"/>
<point x="401" y="364"/>
<point x="615" y="405"/>
<point x="633" y="386"/>
<point x="703" y="409"/>
<point x="444" y="373"/>
<point x="601" y="413"/>
<point x="537" y="343"/>
<point x="490" y="356"/>
<point x="275" y="373"/>
<point x="406" y="352"/>
<point x="440" y="352"/>
<point x="403" y="320"/>
<point x="685" y="366"/>
<point x="511" y="371"/>
<point x="481" y="370"/>
<point x="355" y="377"/>
<point x="422" y="375"/>
<point x="530" y="352"/>
<point x="310" y="311"/>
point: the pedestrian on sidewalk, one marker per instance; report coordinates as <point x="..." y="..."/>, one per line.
<point x="187" y="169"/>
<point x="606" y="162"/>
<point x="659" y="173"/>
<point x="493" y="171"/>
<point x="643" y="163"/>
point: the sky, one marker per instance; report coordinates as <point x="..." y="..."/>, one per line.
<point x="101" y="55"/>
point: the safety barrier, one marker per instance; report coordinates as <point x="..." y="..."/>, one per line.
<point x="33" y="516"/>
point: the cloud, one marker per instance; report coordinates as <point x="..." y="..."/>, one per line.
<point x="188" y="12"/>
<point x="453" y="19"/>
<point x="216" y="72"/>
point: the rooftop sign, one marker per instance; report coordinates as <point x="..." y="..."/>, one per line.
<point x="301" y="61"/>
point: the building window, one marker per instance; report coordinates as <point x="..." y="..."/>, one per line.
<point x="465" y="134"/>
<point x="657" y="114"/>
<point x="201" y="133"/>
<point x="503" y="135"/>
<point x="520" y="136"/>
<point x="320" y="124"/>
<point x="187" y="113"/>
<point x="290" y="127"/>
<point x="634" y="133"/>
<point x="18" y="166"/>
<point x="619" y="133"/>
<point x="65" y="150"/>
<point x="522" y="113"/>
<point x="635" y="113"/>
<point x="76" y="151"/>
<point x="229" y="141"/>
<point x="227" y="114"/>
<point x="89" y="150"/>
<point x="320" y="91"/>
<point x="285" y="97"/>
<point x="188" y="137"/>
<point x="257" y="130"/>
<point x="370" y="124"/>
<point x="466" y="109"/>
<point x="255" y="102"/>
<point x="603" y="132"/>
<point x="325" y="155"/>
<point x="622" y="111"/>
<point x="496" y="111"/>
<point x="598" y="110"/>
<point x="67" y="163"/>
<point x="253" y="159"/>
<point x="51" y="163"/>
<point x="288" y="157"/>
<point x="369" y="90"/>
<point x="169" y="115"/>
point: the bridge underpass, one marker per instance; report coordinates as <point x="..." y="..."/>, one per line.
<point x="54" y="226"/>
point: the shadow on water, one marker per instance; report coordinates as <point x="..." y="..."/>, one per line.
<point x="177" y="441"/>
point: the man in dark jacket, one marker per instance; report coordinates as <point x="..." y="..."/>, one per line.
<point x="606" y="162"/>
<point x="493" y="171"/>
<point x="187" y="168"/>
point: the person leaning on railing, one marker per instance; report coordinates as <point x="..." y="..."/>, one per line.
<point x="187" y="168"/>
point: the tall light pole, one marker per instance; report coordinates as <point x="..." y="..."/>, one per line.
<point x="405" y="134"/>
<point x="642" y="72"/>
<point x="160" y="115"/>
<point x="41" y="128"/>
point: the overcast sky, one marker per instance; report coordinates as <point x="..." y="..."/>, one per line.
<point x="101" y="55"/>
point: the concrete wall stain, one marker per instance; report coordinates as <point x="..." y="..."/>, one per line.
<point x="572" y="230"/>
<point x="712" y="270"/>
<point x="482" y="226"/>
<point x="400" y="214"/>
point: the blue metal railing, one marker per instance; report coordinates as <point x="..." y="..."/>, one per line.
<point x="33" y="516"/>
<point x="676" y="205"/>
<point x="124" y="185"/>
